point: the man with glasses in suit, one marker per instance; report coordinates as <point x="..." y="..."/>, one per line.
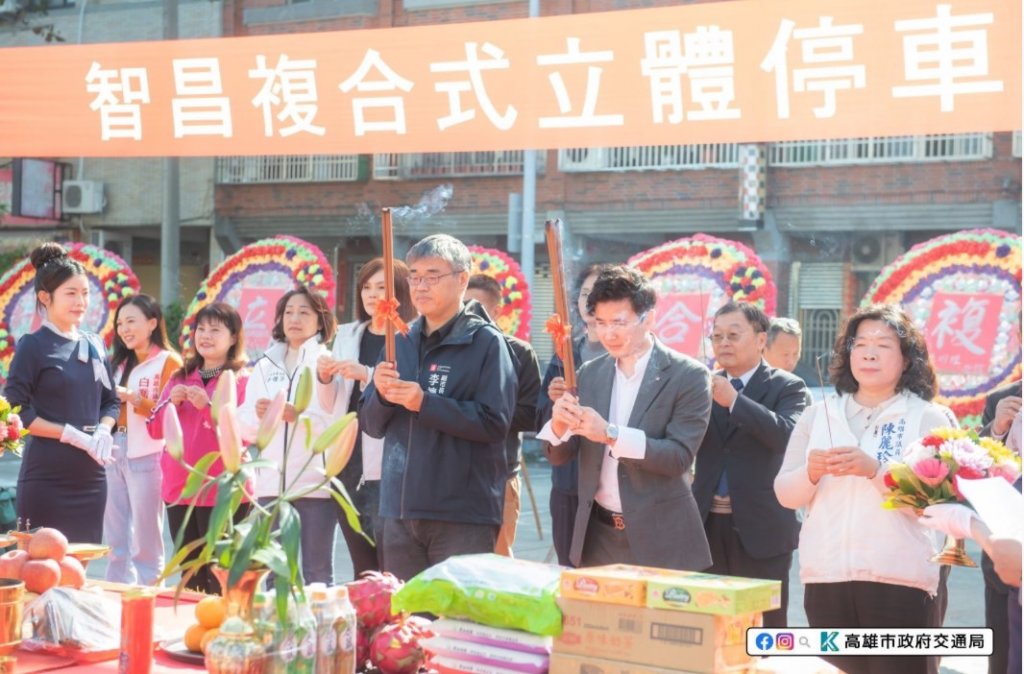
<point x="754" y="411"/>
<point x="636" y="425"/>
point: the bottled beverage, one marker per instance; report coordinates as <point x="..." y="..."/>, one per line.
<point x="326" y="637"/>
<point x="345" y="629"/>
<point x="304" y="626"/>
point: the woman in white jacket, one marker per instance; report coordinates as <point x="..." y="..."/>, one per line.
<point x="357" y="349"/>
<point x="303" y="324"/>
<point x="862" y="565"/>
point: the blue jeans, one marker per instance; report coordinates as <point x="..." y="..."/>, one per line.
<point x="319" y="521"/>
<point x="133" y="519"/>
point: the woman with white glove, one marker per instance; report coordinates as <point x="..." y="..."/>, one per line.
<point x="62" y="380"/>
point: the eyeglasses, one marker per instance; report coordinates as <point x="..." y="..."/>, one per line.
<point x="430" y="281"/>
<point x="619" y="325"/>
<point x="732" y="337"/>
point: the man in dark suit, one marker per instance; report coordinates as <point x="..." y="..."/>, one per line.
<point x="640" y="416"/>
<point x="1001" y="407"/>
<point x="754" y="411"/>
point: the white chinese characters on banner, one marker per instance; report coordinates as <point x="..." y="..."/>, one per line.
<point x="200" y="108"/>
<point x="707" y="57"/>
<point x="945" y="56"/>
<point x="119" y="97"/>
<point x="389" y="81"/>
<point x="587" y="116"/>
<point x="823" y="44"/>
<point x="291" y="87"/>
<point x="474" y="66"/>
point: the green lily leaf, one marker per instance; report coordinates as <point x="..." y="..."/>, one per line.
<point x="290" y="529"/>
<point x="221" y="510"/>
<point x="196" y="479"/>
<point x="243" y="554"/>
<point x="340" y="495"/>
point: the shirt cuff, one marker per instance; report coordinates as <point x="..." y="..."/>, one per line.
<point x="547" y="435"/>
<point x="632" y="444"/>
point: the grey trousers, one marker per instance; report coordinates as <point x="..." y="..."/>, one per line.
<point x="411" y="546"/>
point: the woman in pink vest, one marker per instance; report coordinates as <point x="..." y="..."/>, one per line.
<point x="218" y="345"/>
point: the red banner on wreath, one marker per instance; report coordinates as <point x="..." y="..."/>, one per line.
<point x="257" y="312"/>
<point x="961" y="331"/>
<point x="679" y="323"/>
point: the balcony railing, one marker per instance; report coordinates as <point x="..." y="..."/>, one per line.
<point x="898" y="149"/>
<point x="658" y="157"/>
<point x="290" y="169"/>
<point x="450" y="165"/>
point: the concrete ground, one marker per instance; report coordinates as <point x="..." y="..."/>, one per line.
<point x="966" y="587"/>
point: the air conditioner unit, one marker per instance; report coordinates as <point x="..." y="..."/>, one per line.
<point x="874" y="251"/>
<point x="83" y="196"/>
<point x="8" y="7"/>
<point x="582" y="159"/>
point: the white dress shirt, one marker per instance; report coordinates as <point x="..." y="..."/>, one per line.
<point x="632" y="442"/>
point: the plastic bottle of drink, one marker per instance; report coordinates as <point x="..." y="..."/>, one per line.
<point x="267" y="628"/>
<point x="326" y="637"/>
<point x="304" y="625"/>
<point x="345" y="629"/>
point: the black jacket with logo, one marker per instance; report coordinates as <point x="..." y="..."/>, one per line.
<point x="447" y="462"/>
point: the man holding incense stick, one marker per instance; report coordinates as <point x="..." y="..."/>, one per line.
<point x="444" y="409"/>
<point x="640" y="416"/>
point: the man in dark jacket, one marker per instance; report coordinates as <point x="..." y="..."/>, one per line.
<point x="444" y="411"/>
<point x="487" y="291"/>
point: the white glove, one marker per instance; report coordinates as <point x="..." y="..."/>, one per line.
<point x="90" y="444"/>
<point x="103" y="445"/>
<point x="951" y="519"/>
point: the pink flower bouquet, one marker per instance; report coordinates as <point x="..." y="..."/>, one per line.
<point x="11" y="429"/>
<point x="926" y="475"/>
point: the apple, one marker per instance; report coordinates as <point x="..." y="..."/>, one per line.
<point x="40" y="575"/>
<point x="11" y="564"/>
<point x="72" y="573"/>
<point x="47" y="544"/>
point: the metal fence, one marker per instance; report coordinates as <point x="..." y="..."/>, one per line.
<point x="288" y="169"/>
<point x="450" y="164"/>
<point x="897" y="149"/>
<point x="657" y="157"/>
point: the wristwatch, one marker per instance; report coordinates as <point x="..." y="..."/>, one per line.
<point x="612" y="433"/>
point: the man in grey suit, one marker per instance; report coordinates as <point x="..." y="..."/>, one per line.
<point x="640" y="416"/>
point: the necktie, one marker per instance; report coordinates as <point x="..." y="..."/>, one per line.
<point x="723" y="482"/>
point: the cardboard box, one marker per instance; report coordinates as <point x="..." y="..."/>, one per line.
<point x="717" y="595"/>
<point x="615" y="583"/>
<point x="562" y="663"/>
<point x="630" y="585"/>
<point x="677" y="640"/>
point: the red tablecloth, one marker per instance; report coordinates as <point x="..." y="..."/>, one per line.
<point x="171" y="623"/>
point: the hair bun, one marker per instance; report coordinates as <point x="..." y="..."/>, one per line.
<point x="47" y="252"/>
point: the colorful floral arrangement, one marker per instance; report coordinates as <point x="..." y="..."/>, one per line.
<point x="515" y="293"/>
<point x="926" y="475"/>
<point x="11" y="428"/>
<point x="110" y="280"/>
<point x="983" y="261"/>
<point x="280" y="262"/>
<point x="720" y="268"/>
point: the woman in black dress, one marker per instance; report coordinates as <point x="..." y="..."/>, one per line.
<point x="61" y="378"/>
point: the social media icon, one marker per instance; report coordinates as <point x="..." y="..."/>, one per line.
<point x="764" y="641"/>
<point x="828" y="642"/>
<point x="784" y="641"/>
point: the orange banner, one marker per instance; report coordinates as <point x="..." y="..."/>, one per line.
<point x="715" y="72"/>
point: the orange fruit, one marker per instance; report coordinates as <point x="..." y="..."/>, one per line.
<point x="210" y="612"/>
<point x="207" y="638"/>
<point x="194" y="637"/>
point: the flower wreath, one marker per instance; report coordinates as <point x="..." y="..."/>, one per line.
<point x="287" y="257"/>
<point x="110" y="280"/>
<point x="978" y="260"/>
<point x="735" y="271"/>
<point x="515" y="293"/>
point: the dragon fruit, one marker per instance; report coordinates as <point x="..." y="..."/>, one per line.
<point x="395" y="647"/>
<point x="371" y="597"/>
<point x="362" y="648"/>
